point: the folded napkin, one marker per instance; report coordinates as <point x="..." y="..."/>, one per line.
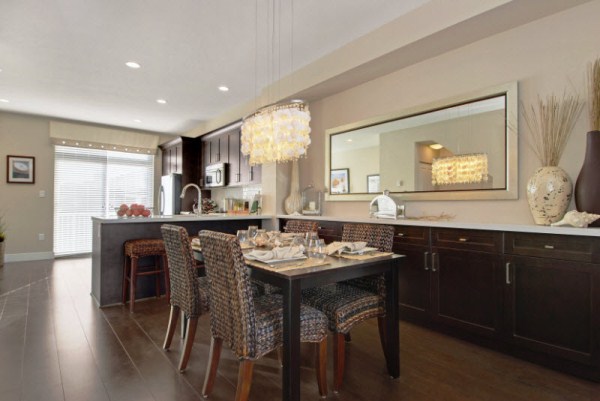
<point x="339" y="247"/>
<point x="288" y="252"/>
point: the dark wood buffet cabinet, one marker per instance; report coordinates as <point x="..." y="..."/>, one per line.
<point x="535" y="296"/>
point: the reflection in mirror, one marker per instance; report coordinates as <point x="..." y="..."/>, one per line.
<point x="460" y="151"/>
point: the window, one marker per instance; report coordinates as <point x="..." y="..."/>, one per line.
<point x="91" y="183"/>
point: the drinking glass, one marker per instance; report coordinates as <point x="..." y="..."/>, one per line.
<point x="242" y="236"/>
<point x="310" y="235"/>
<point x="317" y="249"/>
<point x="252" y="231"/>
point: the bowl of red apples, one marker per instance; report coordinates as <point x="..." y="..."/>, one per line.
<point x="133" y="210"/>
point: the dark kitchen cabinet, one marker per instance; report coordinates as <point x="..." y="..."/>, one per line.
<point x="235" y="176"/>
<point x="182" y="156"/>
<point x="224" y="146"/>
<point x="415" y="276"/>
<point x="552" y="293"/>
<point x="451" y="277"/>
<point x="466" y="279"/>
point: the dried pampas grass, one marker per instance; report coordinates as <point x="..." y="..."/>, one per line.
<point x="594" y="95"/>
<point x="550" y="123"/>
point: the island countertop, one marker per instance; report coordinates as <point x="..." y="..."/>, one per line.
<point x="525" y="228"/>
<point x="174" y="219"/>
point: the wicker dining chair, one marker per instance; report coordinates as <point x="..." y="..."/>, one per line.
<point x="353" y="301"/>
<point x="189" y="293"/>
<point x="300" y="226"/>
<point x="250" y="325"/>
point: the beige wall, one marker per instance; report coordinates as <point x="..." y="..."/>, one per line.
<point x="545" y="56"/>
<point x="26" y="214"/>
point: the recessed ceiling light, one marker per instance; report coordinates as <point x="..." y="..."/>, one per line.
<point x="436" y="146"/>
<point x="348" y="140"/>
<point x="161" y="101"/>
<point x="137" y="121"/>
<point x="132" y="64"/>
<point x="4" y="101"/>
<point x="223" y="88"/>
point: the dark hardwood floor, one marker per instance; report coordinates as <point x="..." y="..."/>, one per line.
<point x="55" y="344"/>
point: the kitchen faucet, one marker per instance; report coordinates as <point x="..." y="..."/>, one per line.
<point x="184" y="189"/>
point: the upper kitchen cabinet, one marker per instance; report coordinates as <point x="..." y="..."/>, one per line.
<point x="182" y="156"/>
<point x="224" y="146"/>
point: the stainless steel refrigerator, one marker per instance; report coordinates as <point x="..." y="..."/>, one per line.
<point x="169" y="200"/>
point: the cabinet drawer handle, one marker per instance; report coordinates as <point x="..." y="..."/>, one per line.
<point x="400" y="235"/>
<point x="463" y="239"/>
<point x="425" y="255"/>
<point x="549" y="246"/>
<point x="507" y="271"/>
<point x="433" y="257"/>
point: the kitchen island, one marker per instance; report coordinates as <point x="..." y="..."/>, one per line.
<point x="110" y="233"/>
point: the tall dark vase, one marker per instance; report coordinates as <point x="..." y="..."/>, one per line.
<point x="587" y="187"/>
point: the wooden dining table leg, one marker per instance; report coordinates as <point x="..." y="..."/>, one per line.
<point x="290" y="378"/>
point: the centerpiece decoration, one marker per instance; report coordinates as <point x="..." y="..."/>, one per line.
<point x="550" y="123"/>
<point x="587" y="186"/>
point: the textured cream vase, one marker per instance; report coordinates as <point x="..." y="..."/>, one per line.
<point x="293" y="203"/>
<point x="549" y="192"/>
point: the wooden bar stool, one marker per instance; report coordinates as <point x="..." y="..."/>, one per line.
<point x="139" y="248"/>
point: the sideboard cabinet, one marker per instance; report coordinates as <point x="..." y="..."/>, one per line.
<point x="533" y="295"/>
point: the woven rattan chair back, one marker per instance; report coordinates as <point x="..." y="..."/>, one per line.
<point x="182" y="272"/>
<point x="301" y="226"/>
<point x="232" y="317"/>
<point x="377" y="236"/>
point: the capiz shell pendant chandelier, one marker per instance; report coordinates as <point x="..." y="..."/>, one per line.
<point x="460" y="169"/>
<point x="276" y="133"/>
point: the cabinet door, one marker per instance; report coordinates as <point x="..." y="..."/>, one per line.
<point x="553" y="307"/>
<point x="250" y="174"/>
<point x="414" y="282"/>
<point x="177" y="159"/>
<point x="215" y="155"/>
<point x="234" y="158"/>
<point x="467" y="290"/>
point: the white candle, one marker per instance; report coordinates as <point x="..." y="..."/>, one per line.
<point x="311" y="205"/>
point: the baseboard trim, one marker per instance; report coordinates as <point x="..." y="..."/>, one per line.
<point x="26" y="257"/>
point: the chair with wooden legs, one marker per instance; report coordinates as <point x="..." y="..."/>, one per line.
<point x="350" y="302"/>
<point x="189" y="293"/>
<point x="251" y="325"/>
<point x="134" y="250"/>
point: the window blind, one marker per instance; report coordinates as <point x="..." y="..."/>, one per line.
<point x="92" y="183"/>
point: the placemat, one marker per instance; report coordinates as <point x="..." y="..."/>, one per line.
<point x="370" y="255"/>
<point x="283" y="266"/>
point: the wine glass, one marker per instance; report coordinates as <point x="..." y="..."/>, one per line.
<point x="242" y="236"/>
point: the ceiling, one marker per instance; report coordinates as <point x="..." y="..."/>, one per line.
<point x="66" y="59"/>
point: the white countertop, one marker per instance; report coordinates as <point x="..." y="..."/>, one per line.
<point x="527" y="228"/>
<point x="182" y="217"/>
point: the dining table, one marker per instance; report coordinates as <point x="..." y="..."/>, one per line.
<point x="292" y="277"/>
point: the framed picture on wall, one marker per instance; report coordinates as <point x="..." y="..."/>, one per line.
<point x="373" y="183"/>
<point x="340" y="181"/>
<point x="20" y="169"/>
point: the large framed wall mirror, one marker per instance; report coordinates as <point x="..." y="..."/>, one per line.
<point x="460" y="148"/>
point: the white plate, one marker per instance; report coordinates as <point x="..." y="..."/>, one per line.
<point x="271" y="261"/>
<point x="360" y="251"/>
